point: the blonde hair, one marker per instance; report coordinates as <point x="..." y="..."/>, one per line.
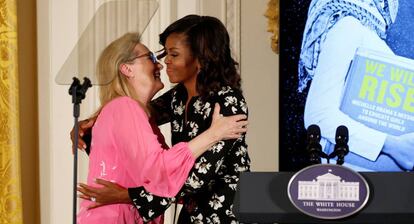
<point x="108" y="68"/>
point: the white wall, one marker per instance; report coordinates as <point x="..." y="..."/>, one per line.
<point x="260" y="75"/>
<point x="55" y="111"/>
<point x="58" y="31"/>
<point x="259" y="68"/>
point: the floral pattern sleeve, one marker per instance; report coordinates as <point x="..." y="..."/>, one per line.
<point x="149" y="206"/>
<point x="212" y="182"/>
<point x="208" y="165"/>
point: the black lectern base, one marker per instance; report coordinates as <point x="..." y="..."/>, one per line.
<point x="262" y="198"/>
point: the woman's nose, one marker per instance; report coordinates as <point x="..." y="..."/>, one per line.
<point x="167" y="59"/>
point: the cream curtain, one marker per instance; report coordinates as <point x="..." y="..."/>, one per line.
<point x="10" y="183"/>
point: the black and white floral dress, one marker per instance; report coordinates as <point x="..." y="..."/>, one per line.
<point x="208" y="193"/>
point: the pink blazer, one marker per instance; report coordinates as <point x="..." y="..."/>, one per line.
<point x="125" y="150"/>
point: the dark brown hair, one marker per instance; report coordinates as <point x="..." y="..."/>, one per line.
<point x="209" y="42"/>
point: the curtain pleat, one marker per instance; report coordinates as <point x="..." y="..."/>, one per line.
<point x="10" y="180"/>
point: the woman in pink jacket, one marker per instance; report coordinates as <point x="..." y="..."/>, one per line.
<point x="127" y="146"/>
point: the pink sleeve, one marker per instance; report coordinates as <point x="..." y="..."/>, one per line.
<point x="162" y="172"/>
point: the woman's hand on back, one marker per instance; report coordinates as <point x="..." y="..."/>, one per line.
<point x="85" y="126"/>
<point x="229" y="127"/>
<point x="108" y="193"/>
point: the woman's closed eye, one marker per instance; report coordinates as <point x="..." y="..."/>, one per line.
<point x="172" y="53"/>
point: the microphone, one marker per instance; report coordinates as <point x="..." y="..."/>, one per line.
<point x="341" y="146"/>
<point x="314" y="148"/>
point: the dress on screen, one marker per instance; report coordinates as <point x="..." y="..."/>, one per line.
<point x="333" y="32"/>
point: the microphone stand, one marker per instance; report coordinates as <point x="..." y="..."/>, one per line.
<point x="315" y="153"/>
<point x="341" y="152"/>
<point x="78" y="92"/>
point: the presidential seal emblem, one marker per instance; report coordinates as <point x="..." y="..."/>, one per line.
<point x="328" y="191"/>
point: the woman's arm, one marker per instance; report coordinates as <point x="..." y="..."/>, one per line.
<point x="208" y="165"/>
<point x="220" y="129"/>
<point x="162" y="171"/>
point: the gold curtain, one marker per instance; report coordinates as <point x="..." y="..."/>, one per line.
<point x="10" y="183"/>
